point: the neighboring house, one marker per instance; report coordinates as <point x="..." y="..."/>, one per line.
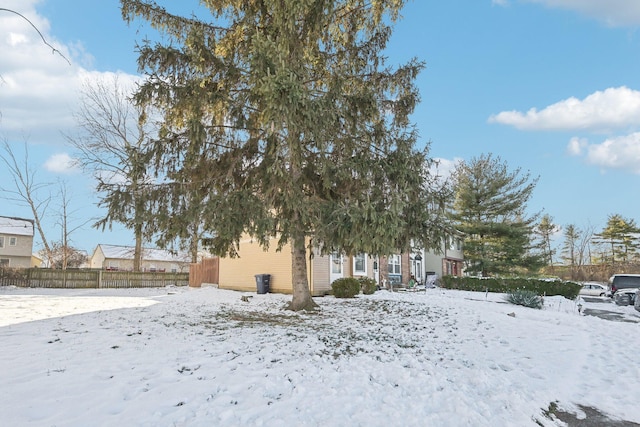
<point x="115" y="257"/>
<point x="16" y="242"/>
<point x="239" y="273"/>
<point x="36" y="261"/>
<point x="421" y="263"/>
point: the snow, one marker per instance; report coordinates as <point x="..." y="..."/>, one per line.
<point x="15" y="226"/>
<point x="202" y="357"/>
<point x="149" y="254"/>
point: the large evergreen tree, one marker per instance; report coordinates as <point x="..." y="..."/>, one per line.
<point x="285" y="112"/>
<point x="490" y="208"/>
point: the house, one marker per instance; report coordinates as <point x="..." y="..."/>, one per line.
<point x="36" y="260"/>
<point x="239" y="273"/>
<point x="421" y="263"/>
<point x="116" y="257"/>
<point x="322" y="270"/>
<point x="16" y="242"/>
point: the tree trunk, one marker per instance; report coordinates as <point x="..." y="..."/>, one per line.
<point x="301" y="295"/>
<point x="193" y="245"/>
<point x="137" y="254"/>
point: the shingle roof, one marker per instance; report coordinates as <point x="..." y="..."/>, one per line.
<point x="16" y="226"/>
<point x="148" y="254"/>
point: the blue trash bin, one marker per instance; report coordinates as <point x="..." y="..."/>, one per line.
<point x="262" y="283"/>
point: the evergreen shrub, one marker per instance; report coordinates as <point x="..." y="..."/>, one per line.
<point x="525" y="298"/>
<point x="368" y="285"/>
<point x="346" y="287"/>
<point x="505" y="285"/>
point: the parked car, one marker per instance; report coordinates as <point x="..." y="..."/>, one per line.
<point x="624" y="281"/>
<point x="625" y="296"/>
<point x="636" y="305"/>
<point x="595" y="289"/>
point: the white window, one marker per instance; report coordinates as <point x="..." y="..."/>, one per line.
<point x="13" y="241"/>
<point x="394" y="264"/>
<point x="360" y="264"/>
<point x="1" y="241"/>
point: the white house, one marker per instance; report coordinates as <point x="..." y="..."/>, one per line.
<point x="116" y="257"/>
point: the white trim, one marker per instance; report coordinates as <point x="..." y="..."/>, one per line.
<point x="398" y="264"/>
<point x="13" y="241"/>
<point x="357" y="272"/>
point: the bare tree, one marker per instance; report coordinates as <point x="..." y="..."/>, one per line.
<point x="66" y="255"/>
<point x="111" y="143"/>
<point x="27" y="190"/>
<point x="53" y="49"/>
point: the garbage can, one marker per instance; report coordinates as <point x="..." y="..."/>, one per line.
<point x="262" y="283"/>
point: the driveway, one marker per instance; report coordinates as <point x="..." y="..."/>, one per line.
<point x="605" y="308"/>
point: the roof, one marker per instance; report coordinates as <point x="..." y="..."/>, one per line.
<point x="148" y="254"/>
<point x="16" y="226"/>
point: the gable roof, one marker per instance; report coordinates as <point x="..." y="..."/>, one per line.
<point x="148" y="254"/>
<point x="16" y="226"/>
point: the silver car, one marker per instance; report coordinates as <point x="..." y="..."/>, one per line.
<point x="636" y="305"/>
<point x="595" y="290"/>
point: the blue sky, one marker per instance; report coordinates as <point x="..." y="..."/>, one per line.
<point x="550" y="86"/>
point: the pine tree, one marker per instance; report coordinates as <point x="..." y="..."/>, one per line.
<point x="287" y="118"/>
<point x="545" y="231"/>
<point x="621" y="236"/>
<point x="490" y="208"/>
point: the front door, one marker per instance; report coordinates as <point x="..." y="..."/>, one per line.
<point x="336" y="267"/>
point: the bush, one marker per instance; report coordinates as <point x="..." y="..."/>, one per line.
<point x="524" y="297"/>
<point x="368" y="285"/>
<point x="493" y="284"/>
<point x="346" y="287"/>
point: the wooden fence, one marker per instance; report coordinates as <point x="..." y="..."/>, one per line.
<point x="206" y="271"/>
<point x="45" y="278"/>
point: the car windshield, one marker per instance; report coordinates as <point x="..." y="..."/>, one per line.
<point x="621" y="282"/>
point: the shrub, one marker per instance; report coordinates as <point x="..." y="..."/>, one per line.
<point x="346" y="287"/>
<point x="368" y="285"/>
<point x="524" y="297"/>
<point x="503" y="285"/>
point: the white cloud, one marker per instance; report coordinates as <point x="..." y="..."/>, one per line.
<point x="443" y="168"/>
<point x="621" y="152"/>
<point x="61" y="163"/>
<point x="615" y="13"/>
<point x="39" y="89"/>
<point x="602" y="110"/>
<point x="500" y="2"/>
<point x="576" y="146"/>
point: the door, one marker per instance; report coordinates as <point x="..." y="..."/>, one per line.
<point x="336" y="269"/>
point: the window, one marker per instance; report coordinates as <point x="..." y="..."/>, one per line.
<point x="13" y="241"/>
<point x="4" y="262"/>
<point x="394" y="264"/>
<point x="1" y="241"/>
<point x="360" y="264"/>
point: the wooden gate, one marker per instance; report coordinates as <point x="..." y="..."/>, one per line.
<point x="206" y="271"/>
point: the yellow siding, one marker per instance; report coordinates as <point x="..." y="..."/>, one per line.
<point x="239" y="273"/>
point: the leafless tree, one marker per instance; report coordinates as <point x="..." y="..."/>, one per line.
<point x="111" y="142"/>
<point x="64" y="253"/>
<point x="27" y="190"/>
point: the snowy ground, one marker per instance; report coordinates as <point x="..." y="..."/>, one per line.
<point x="202" y="357"/>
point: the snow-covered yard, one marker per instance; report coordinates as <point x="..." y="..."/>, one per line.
<point x="203" y="357"/>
